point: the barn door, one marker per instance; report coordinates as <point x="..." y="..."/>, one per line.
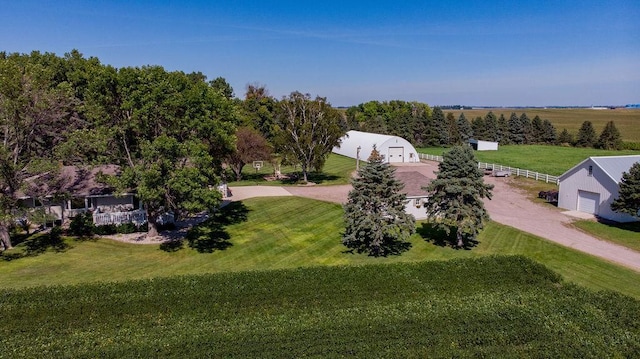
<point x="588" y="202"/>
<point x="396" y="154"/>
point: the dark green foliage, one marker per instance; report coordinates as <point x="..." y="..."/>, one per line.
<point x="464" y="129"/>
<point x="517" y="130"/>
<point x="565" y="137"/>
<point x="628" y="200"/>
<point x="549" y="133"/>
<point x="455" y="196"/>
<point x="610" y="138"/>
<point x="487" y="307"/>
<point x="82" y="225"/>
<point x="586" y="135"/>
<point x="374" y="215"/>
<point x="491" y="128"/>
<point x="478" y="128"/>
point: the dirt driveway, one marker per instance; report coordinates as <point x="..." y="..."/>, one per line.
<point x="508" y="206"/>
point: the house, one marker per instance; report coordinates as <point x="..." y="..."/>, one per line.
<point x="416" y="196"/>
<point x="358" y="145"/>
<point x="479" y="145"/>
<point x="593" y="184"/>
<point x="82" y="192"/>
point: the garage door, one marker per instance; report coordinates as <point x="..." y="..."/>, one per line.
<point x="588" y="202"/>
<point x="396" y="154"/>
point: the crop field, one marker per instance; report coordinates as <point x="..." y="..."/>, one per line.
<point x="553" y="160"/>
<point x="627" y="121"/>
<point x="503" y="306"/>
<point x="280" y="233"/>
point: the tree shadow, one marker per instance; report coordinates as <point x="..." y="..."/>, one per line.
<point x="31" y="245"/>
<point x="211" y="235"/>
<point x="628" y="226"/>
<point x="434" y="234"/>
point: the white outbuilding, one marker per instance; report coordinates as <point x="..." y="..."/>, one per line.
<point x="357" y="144"/>
<point x="593" y="184"/>
<point x="480" y="145"/>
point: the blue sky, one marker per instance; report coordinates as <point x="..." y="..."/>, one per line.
<point x="502" y="53"/>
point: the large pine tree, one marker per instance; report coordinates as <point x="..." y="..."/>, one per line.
<point x="628" y="200"/>
<point x="455" y="196"/>
<point x="610" y="138"/>
<point x="586" y="135"/>
<point x="375" y="217"/>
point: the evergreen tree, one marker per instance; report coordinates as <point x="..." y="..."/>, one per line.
<point x="455" y="196"/>
<point x="452" y="127"/>
<point x="503" y="130"/>
<point x="550" y="135"/>
<point x="628" y="200"/>
<point x="516" y="130"/>
<point x="478" y="128"/>
<point x="525" y="122"/>
<point x="375" y="217"/>
<point x="537" y="130"/>
<point x="586" y="135"/>
<point x="440" y="127"/>
<point x="565" y="137"/>
<point x="491" y="127"/>
<point x="610" y="138"/>
<point x="464" y="129"/>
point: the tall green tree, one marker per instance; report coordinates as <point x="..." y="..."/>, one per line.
<point x="491" y="129"/>
<point x="586" y="135"/>
<point x="307" y="131"/>
<point x="549" y="133"/>
<point x="375" y="217"/>
<point x="455" y="196"/>
<point x="610" y="138"/>
<point x="565" y="137"/>
<point x="628" y="200"/>
<point x="464" y="129"/>
<point x="479" y="128"/>
<point x="537" y="130"/>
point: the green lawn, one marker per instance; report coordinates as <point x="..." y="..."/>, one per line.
<point x="489" y="307"/>
<point x="337" y="170"/>
<point x="287" y="232"/>
<point x="624" y="234"/>
<point x="552" y="160"/>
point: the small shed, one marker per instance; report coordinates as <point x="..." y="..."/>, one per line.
<point x="416" y="197"/>
<point x="357" y="144"/>
<point x="480" y="145"/>
<point x="593" y="184"/>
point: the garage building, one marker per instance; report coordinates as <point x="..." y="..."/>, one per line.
<point x="593" y="184"/>
<point x="360" y="144"/>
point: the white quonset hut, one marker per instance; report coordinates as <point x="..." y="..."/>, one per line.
<point x="360" y="144"/>
<point x="593" y="184"/>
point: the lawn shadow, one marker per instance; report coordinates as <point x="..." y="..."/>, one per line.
<point x="629" y="226"/>
<point x="437" y="236"/>
<point x="211" y="235"/>
<point x="34" y="244"/>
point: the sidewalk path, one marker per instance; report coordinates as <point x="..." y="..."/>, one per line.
<point x="508" y="206"/>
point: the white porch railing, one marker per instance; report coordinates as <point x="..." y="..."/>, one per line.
<point x="496" y="167"/>
<point x="138" y="217"/>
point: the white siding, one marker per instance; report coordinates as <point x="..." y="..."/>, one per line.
<point x="411" y="208"/>
<point x="588" y="202"/>
<point x="365" y="141"/>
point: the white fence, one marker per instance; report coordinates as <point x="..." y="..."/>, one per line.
<point x="496" y="167"/>
<point x="138" y="217"/>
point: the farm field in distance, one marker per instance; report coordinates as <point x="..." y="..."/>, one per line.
<point x="627" y="121"/>
<point x="552" y="160"/>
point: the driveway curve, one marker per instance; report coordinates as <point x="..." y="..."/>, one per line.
<point x="508" y="206"/>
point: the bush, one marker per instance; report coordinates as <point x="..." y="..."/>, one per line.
<point x="105" y="230"/>
<point x="633" y="146"/>
<point x="82" y="225"/>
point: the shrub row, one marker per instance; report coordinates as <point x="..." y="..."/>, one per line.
<point x="488" y="307"/>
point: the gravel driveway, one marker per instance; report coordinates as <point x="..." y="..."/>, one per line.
<point x="508" y="206"/>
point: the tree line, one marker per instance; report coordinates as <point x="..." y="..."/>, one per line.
<point x="424" y="126"/>
<point x="172" y="134"/>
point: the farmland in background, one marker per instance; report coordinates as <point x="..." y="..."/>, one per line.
<point x="626" y="120"/>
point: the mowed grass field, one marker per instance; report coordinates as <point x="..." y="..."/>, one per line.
<point x="493" y="307"/>
<point x="337" y="170"/>
<point x="286" y="232"/>
<point x="552" y="160"/>
<point x="627" y="121"/>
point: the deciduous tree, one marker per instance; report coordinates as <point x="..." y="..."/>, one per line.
<point x="307" y="131"/>
<point x="375" y="217"/>
<point x="250" y="146"/>
<point x="455" y="196"/>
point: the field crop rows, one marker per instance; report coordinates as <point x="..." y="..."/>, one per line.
<point x="493" y="307"/>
